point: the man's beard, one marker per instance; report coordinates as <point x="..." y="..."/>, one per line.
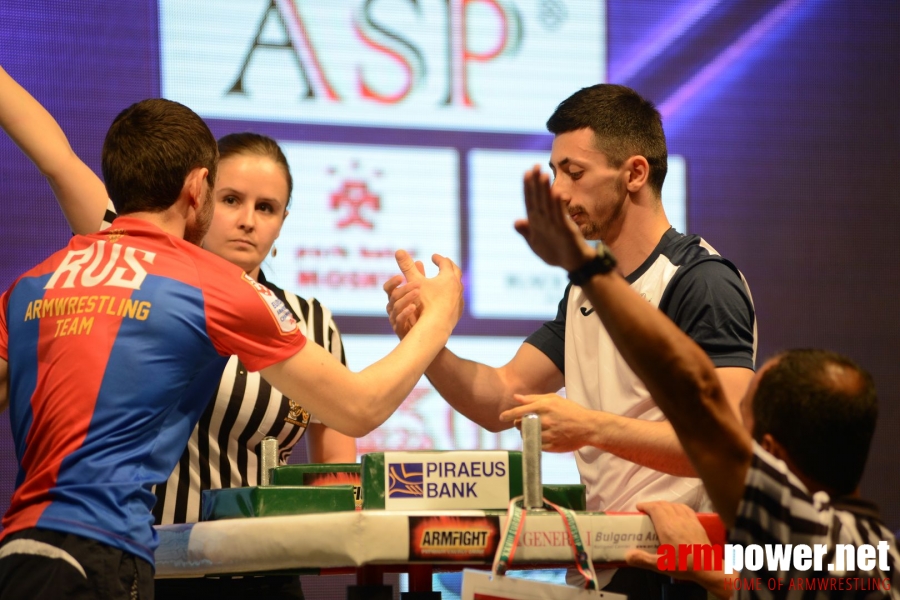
<point x="196" y="231"/>
<point x="590" y="230"/>
<point x="599" y="229"/>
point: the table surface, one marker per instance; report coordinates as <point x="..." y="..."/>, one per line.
<point x="356" y="539"/>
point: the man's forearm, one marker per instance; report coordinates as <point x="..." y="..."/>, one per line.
<point x="651" y="444"/>
<point x="476" y="391"/>
<point x="481" y="392"/>
<point x="654" y="444"/>
<point x="383" y="385"/>
<point x="356" y="403"/>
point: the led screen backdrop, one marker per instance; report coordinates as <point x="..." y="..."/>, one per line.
<point x="431" y="64"/>
<point x="410" y="123"/>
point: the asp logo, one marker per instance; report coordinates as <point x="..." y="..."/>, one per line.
<point x="405" y="480"/>
<point x="386" y="38"/>
<point x="436" y="64"/>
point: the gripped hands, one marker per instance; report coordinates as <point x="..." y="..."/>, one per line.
<point x="439" y="297"/>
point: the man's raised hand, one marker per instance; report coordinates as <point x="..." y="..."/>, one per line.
<point x="549" y="230"/>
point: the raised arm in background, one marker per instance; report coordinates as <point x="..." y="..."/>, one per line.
<point x="80" y="193"/>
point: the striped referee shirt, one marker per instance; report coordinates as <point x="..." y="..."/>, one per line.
<point x="778" y="509"/>
<point x="223" y="449"/>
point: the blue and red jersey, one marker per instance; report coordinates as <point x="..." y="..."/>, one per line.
<point x="115" y="344"/>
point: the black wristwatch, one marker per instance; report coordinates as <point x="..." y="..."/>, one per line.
<point x="601" y="264"/>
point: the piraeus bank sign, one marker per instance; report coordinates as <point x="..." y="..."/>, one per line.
<point x="495" y="65"/>
<point x="453" y="480"/>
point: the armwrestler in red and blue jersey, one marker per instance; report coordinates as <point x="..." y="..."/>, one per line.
<point x="112" y="340"/>
<point x="110" y="348"/>
<point x="114" y="343"/>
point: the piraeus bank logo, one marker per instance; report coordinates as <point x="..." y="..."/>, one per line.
<point x="405" y="480"/>
<point x="447" y="480"/>
<point x="444" y="64"/>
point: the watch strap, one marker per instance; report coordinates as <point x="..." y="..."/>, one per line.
<point x="601" y="264"/>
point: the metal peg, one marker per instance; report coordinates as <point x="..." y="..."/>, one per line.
<point x="531" y="462"/>
<point x="268" y="459"/>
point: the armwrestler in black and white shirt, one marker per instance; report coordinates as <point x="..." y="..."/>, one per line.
<point x="811" y="415"/>
<point x="708" y="299"/>
<point x="609" y="158"/>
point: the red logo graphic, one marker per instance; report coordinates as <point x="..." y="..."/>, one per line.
<point x="355" y="194"/>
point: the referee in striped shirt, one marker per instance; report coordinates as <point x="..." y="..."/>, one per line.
<point x="812" y="415"/>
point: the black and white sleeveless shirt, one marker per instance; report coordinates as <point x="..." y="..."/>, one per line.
<point x="708" y="298"/>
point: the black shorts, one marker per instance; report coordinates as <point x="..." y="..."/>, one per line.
<point x="46" y="564"/>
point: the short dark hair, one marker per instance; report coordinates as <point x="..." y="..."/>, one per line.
<point x="148" y="152"/>
<point x="624" y="125"/>
<point x="822" y="408"/>
<point x="248" y="142"/>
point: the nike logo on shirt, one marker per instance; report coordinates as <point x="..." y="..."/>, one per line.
<point x="585" y="311"/>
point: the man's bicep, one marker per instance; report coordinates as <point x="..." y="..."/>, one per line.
<point x="326" y="445"/>
<point x="735" y="381"/>
<point x="550" y="339"/>
<point x="310" y="377"/>
<point x="337" y="342"/>
<point x="531" y="371"/>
